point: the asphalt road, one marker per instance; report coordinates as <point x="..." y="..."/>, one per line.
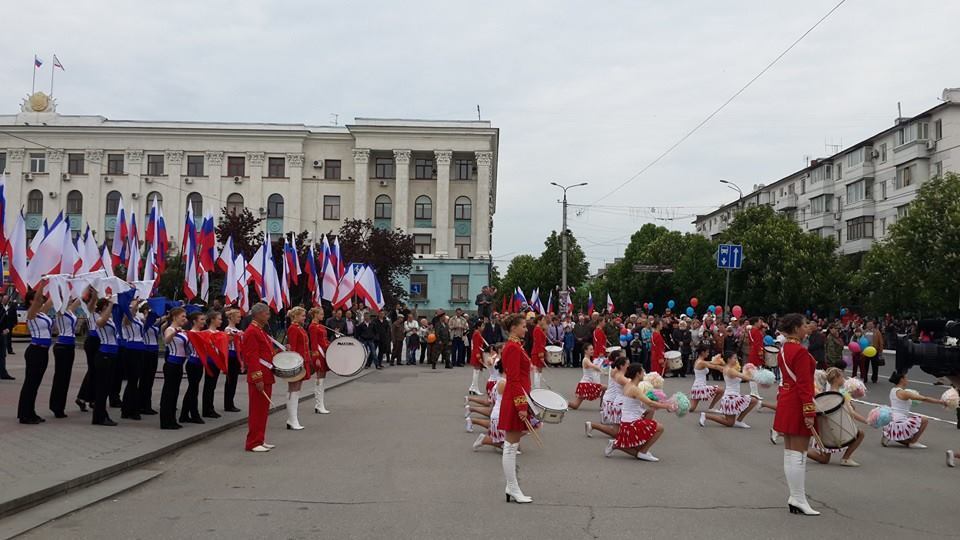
<point x="393" y="461"/>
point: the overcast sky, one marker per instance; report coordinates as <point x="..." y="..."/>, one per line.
<point x="581" y="91"/>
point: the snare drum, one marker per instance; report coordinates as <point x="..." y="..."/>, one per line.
<point x="288" y="365"/>
<point x="346" y="356"/>
<point x="770" y="356"/>
<point x="612" y="349"/>
<point x="547" y="405"/>
<point x="554" y="355"/>
<point x="834" y="424"/>
<point x="674" y="359"/>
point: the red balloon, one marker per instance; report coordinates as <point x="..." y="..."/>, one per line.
<point x="719" y="310"/>
<point x="694" y="301"/>
<point x="737" y="311"/>
<point x="623" y="331"/>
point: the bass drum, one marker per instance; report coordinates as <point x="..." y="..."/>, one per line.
<point x="346" y="356"/>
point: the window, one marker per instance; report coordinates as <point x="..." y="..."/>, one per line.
<point x="150" y="197"/>
<point x="114" y="163"/>
<point x="236" y="166"/>
<point x="422" y="243"/>
<point x="855" y="158"/>
<point x="462" y="243"/>
<point x="839" y="171"/>
<point x="861" y="190"/>
<point x="276" y="167"/>
<point x="35" y="202"/>
<point x="154" y="165"/>
<point x="331" y="207"/>
<point x="332" y="169"/>
<point x="822" y="174"/>
<point x="38" y="162"/>
<point x="459" y="288"/>
<point x="903" y="211"/>
<point x="938" y="130"/>
<point x="423" y="208"/>
<point x="194" y="165"/>
<point x="195" y="201"/>
<point x="462" y="208"/>
<point x="904" y="177"/>
<point x="423" y="169"/>
<point x="883" y="153"/>
<point x="461" y="169"/>
<point x="275" y="206"/>
<point x="383" y="207"/>
<point x="74" y="163"/>
<point x="883" y="190"/>
<point x="384" y="168"/>
<point x="235" y="203"/>
<point x="74" y="203"/>
<point x="923" y="130"/>
<point x="906" y="135"/>
<point x="821" y="204"/>
<point x="3" y="161"/>
<point x="418" y="286"/>
<point x="858" y="228"/>
<point x="937" y="169"/>
<point x="113" y="203"/>
<point x="883" y="227"/>
<point x="803" y="186"/>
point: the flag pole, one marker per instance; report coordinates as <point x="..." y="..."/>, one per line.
<point x="33" y="85"/>
<point x="53" y="69"/>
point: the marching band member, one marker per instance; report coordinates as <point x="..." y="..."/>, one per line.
<point x="514" y="409"/>
<point x="37" y="355"/>
<point x="148" y="372"/>
<point x="494" y="435"/>
<point x="64" y="352"/>
<point x="318" y="352"/>
<point x="233" y="362"/>
<point x="298" y="343"/>
<point x="658" y="348"/>
<point x="257" y="353"/>
<point x="131" y="331"/>
<point x="701" y="391"/>
<point x="539" y="349"/>
<point x="477" y="344"/>
<point x="177" y="350"/>
<point x="822" y="455"/>
<point x="589" y="387"/>
<point x="104" y="369"/>
<point x="610" y="406"/>
<point x="190" y="408"/>
<point x="796" y="410"/>
<point x="906" y="428"/>
<point x="91" y="346"/>
<point x="212" y="372"/>
<point x="637" y="432"/>
<point x="755" y="337"/>
<point x="734" y="406"/>
<point x="599" y="338"/>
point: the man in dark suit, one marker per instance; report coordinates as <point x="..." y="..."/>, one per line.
<point x="6" y="335"/>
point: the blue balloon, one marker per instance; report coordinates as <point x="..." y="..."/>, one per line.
<point x="712" y="308"/>
<point x="843" y="311"/>
<point x="671" y="304"/>
<point x="768" y="340"/>
<point x="629" y="336"/>
<point x="808" y="313"/>
<point x="864" y="342"/>
<point x="690" y="312"/>
<point x="650" y="306"/>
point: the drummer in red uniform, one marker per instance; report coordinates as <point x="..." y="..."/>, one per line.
<point x="514" y="409"/>
<point x="756" y="341"/>
<point x="257" y="354"/>
<point x="298" y="343"/>
<point x="658" y="348"/>
<point x="539" y="349"/>
<point x="318" y="353"/>
<point x="796" y="410"/>
<point x="599" y="338"/>
<point x="477" y="346"/>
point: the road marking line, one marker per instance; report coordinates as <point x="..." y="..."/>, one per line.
<point x="951" y="422"/>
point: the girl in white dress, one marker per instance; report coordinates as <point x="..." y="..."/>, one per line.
<point x="493" y="437"/>
<point x="734" y="406"/>
<point x="637" y="432"/>
<point x="702" y="391"/>
<point x="612" y="399"/>
<point x="589" y="387"/>
<point x="906" y="428"/>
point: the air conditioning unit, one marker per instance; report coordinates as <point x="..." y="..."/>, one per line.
<point x="53" y="194"/>
<point x="237" y="180"/>
<point x="931" y="145"/>
<point x="263" y="211"/>
<point x="875" y="154"/>
<point x="135" y="195"/>
<point x="384" y="183"/>
<point x="188" y="180"/>
<point x="65" y="177"/>
<point x="419" y="268"/>
<point x="318" y="164"/>
<point x="837" y="215"/>
<point x="147" y="180"/>
<point x="107" y="179"/>
<point x="28" y="177"/>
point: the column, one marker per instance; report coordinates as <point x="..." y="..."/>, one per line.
<point x="361" y="181"/>
<point x="135" y="164"/>
<point x="401" y="203"/>
<point x="482" y="207"/>
<point x="213" y="167"/>
<point x="95" y="195"/>
<point x="294" y="208"/>
<point x="55" y="170"/>
<point x="253" y="184"/>
<point x="174" y="171"/>
<point x="442" y="203"/>
<point x="16" y="194"/>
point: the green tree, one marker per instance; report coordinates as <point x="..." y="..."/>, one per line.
<point x="245" y="229"/>
<point x="388" y="251"/>
<point x="523" y="272"/>
<point x="915" y="268"/>
<point x="550" y="262"/>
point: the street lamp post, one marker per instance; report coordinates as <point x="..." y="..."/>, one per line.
<point x="726" y="295"/>
<point x="564" y="294"/>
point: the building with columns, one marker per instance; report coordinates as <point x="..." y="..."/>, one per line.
<point x="434" y="179"/>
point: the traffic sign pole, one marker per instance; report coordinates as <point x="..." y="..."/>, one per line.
<point x="726" y="298"/>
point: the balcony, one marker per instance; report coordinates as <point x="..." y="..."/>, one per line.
<point x="787" y="202"/>
<point x="821" y="220"/>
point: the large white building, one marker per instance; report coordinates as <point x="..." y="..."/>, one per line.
<point x="856" y="195"/>
<point x="433" y="179"/>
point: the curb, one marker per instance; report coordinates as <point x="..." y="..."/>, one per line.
<point x="22" y="503"/>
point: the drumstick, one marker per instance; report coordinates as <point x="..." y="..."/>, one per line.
<point x="817" y="437"/>
<point x="536" y="435"/>
<point x="266" y="396"/>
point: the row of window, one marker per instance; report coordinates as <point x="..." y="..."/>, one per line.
<point x="423" y="169"/>
<point x="459" y="288"/>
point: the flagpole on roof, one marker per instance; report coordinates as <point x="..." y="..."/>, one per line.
<point x="52" y="71"/>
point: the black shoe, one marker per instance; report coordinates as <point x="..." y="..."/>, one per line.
<point x="434" y="367"/>
<point x="171" y="426"/>
<point x="379" y="367"/>
<point x="31" y="420"/>
<point x="231" y="409"/>
<point x="132" y="416"/>
<point x="7" y="378"/>
<point x="59" y="414"/>
<point x="211" y="414"/>
<point x="115" y="404"/>
<point x="148" y="412"/>
<point x="80" y="403"/>
<point x="107" y="422"/>
<point x="195" y="421"/>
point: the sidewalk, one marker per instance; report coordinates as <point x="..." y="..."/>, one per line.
<point x="38" y="462"/>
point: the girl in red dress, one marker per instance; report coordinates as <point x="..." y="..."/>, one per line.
<point x="796" y="410"/>
<point x="657" y="348"/>
<point x="477" y="346"/>
<point x="599" y="338"/>
<point x="539" y="349"/>
<point x="297" y="342"/>
<point x="318" y="355"/>
<point x="514" y="409"/>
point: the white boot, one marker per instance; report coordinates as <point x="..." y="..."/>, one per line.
<point x="293" y="408"/>
<point x="474" y="389"/>
<point x="318" y="407"/>
<point x="754" y="389"/>
<point x="509" y="461"/>
<point x="795" y="471"/>
<point x="536" y="379"/>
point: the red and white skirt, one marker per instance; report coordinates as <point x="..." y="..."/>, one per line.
<point x="609" y="413"/>
<point x="496" y="435"/>
<point x="490" y="391"/>
<point x="733" y="404"/>
<point x="703" y="392"/>
<point x="902" y="428"/>
<point x="589" y="391"/>
<point x="634" y="434"/>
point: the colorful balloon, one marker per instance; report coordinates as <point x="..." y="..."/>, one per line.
<point x="718" y="310"/>
<point x="711" y="308"/>
<point x="624" y="331"/>
<point x="854" y="347"/>
<point x="870" y="351"/>
<point x="671" y="304"/>
<point x="843" y="311"/>
<point x="768" y="340"/>
<point x="694" y="301"/>
<point x="737" y="311"/>
<point x="864" y="342"/>
<point x="690" y="312"/>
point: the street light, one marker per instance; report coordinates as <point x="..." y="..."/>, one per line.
<point x="563" y="238"/>
<point x="735" y="187"/>
<point x="726" y="296"/>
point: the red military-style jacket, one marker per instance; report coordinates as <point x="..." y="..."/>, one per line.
<point x="257" y="354"/>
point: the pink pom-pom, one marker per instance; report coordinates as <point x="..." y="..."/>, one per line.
<point x="952" y="398"/>
<point x="855" y="388"/>
<point x="749" y="369"/>
<point x="661" y="395"/>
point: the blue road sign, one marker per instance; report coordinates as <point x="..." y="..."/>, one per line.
<point x="729" y="256"/>
<point x="415" y="289"/>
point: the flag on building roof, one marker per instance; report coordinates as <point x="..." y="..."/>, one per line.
<point x="37" y="62"/>
<point x="57" y="64"/>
